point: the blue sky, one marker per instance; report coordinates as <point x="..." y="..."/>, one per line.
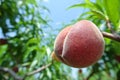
<point x="58" y="12"/>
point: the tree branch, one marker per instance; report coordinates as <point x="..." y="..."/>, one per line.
<point x="16" y="77"/>
<point x="38" y="70"/>
<point x="90" y="75"/>
<point x="109" y="26"/>
<point x="12" y="73"/>
<point x="111" y="36"/>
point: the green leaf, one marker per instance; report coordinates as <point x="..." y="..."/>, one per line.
<point x="32" y="41"/>
<point x="29" y="50"/>
<point x="33" y="64"/>
<point x="93" y="13"/>
<point x="95" y="8"/>
<point x="3" y="49"/>
<point x="91" y="6"/>
<point x="113" y="10"/>
<point x="116" y="47"/>
<point x="29" y="1"/>
<point x="99" y="14"/>
<point x="78" y="5"/>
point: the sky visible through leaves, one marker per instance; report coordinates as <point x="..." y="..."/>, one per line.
<point x="60" y="15"/>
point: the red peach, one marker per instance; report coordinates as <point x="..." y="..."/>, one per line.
<point x="80" y="45"/>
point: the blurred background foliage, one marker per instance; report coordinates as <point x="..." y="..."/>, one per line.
<point x="28" y="40"/>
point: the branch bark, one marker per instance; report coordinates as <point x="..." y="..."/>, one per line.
<point x="111" y="36"/>
<point x="38" y="70"/>
<point x="109" y="26"/>
<point x="12" y="73"/>
<point x="16" y="77"/>
<point x="90" y="75"/>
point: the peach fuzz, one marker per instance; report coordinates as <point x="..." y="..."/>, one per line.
<point x="79" y="45"/>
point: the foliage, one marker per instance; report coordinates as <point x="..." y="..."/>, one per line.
<point x="106" y="15"/>
<point x="29" y="45"/>
<point x="28" y="40"/>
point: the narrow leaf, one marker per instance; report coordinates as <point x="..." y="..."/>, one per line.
<point x="113" y="10"/>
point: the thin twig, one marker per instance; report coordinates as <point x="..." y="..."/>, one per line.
<point x="109" y="26"/>
<point x="16" y="77"/>
<point x="38" y="70"/>
<point x="12" y="73"/>
<point x="111" y="36"/>
<point x="90" y="75"/>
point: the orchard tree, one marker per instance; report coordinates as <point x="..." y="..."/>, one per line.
<point x="106" y="15"/>
<point x="25" y="50"/>
<point x="27" y="43"/>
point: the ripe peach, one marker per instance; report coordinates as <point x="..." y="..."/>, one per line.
<point x="80" y="45"/>
<point x="59" y="41"/>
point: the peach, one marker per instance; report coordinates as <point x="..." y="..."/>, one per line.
<point x="59" y="41"/>
<point x="79" y="45"/>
